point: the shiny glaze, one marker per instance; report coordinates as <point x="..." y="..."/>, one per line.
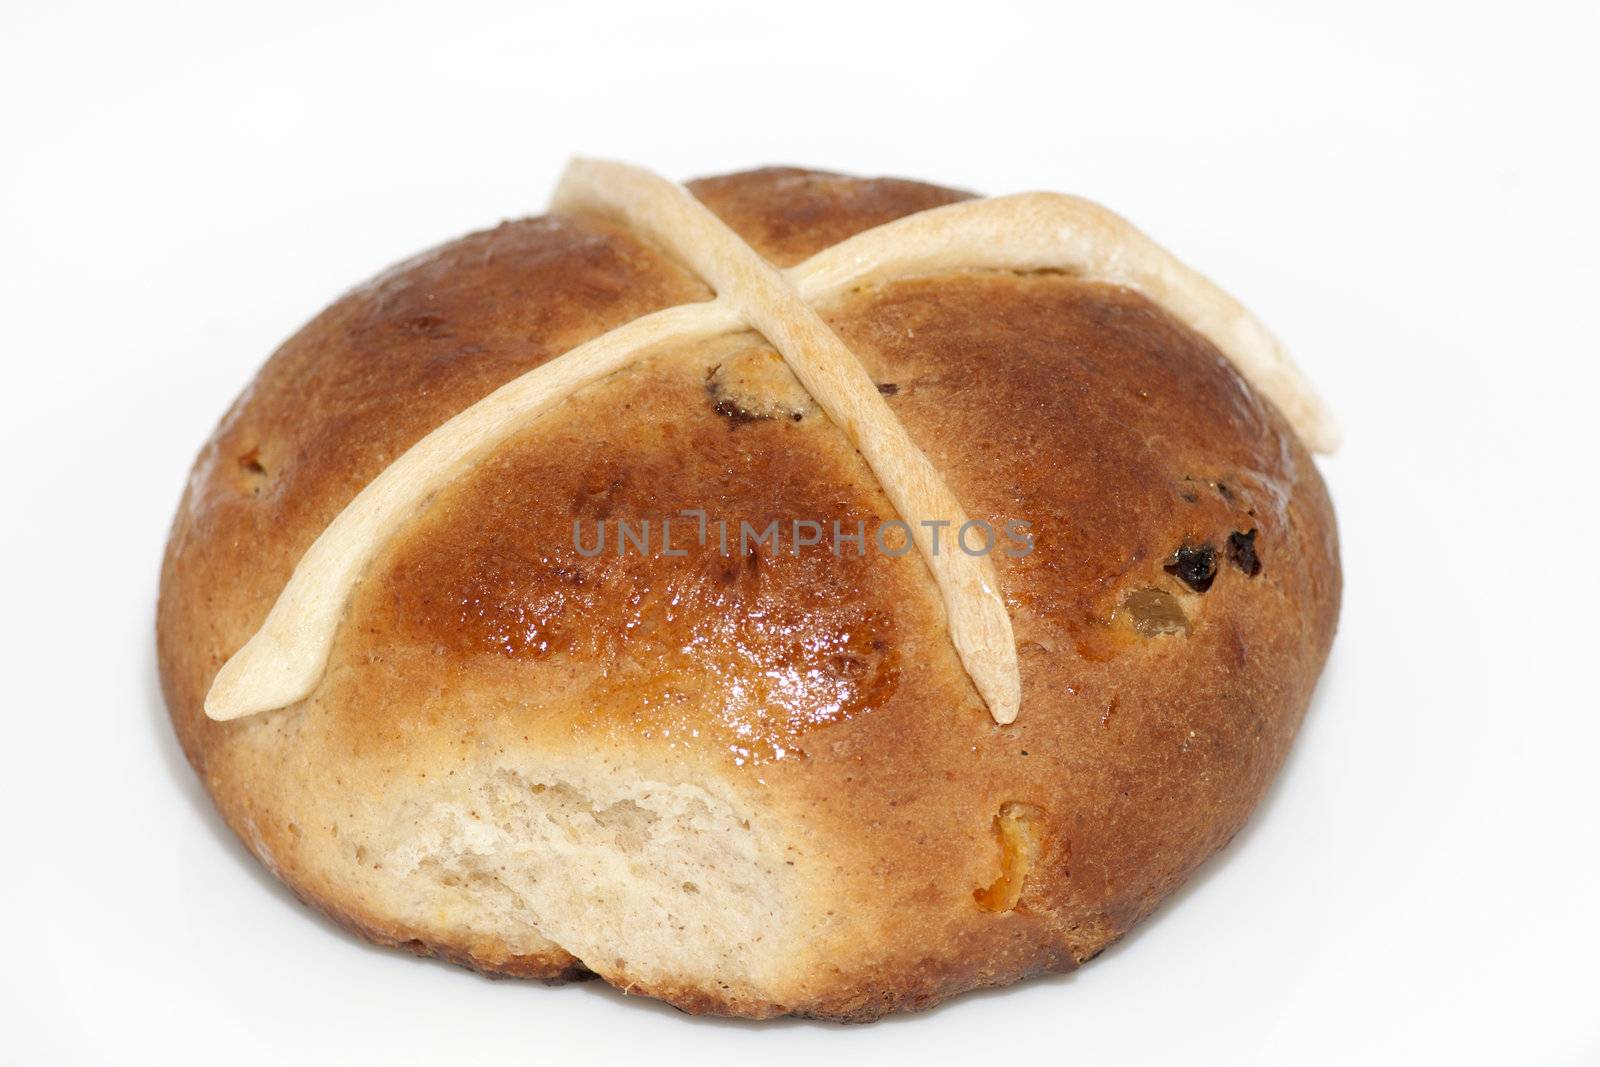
<point x="1098" y="419"/>
<point x="760" y="648"/>
<point x="1114" y="428"/>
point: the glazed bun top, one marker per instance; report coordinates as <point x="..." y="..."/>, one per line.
<point x="286" y="659"/>
<point x="978" y="367"/>
<point x="1167" y="624"/>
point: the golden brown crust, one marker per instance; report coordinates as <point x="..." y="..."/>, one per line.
<point x="355" y="387"/>
<point x="1146" y="754"/>
<point x="788" y="214"/>
<point x="370" y="376"/>
<point x="1121" y="435"/>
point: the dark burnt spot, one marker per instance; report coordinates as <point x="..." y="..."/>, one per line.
<point x="888" y="388"/>
<point x="735" y="414"/>
<point x="1195" y="566"/>
<point x="1242" y="552"/>
<point x="1227" y="494"/>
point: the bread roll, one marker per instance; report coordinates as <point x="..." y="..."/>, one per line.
<point x="758" y="780"/>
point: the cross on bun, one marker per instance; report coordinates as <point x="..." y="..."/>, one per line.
<point x="562" y="719"/>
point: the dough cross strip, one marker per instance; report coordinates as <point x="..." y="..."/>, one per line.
<point x="285" y="660"/>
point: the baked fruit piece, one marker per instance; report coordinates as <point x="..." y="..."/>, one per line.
<point x="756" y="783"/>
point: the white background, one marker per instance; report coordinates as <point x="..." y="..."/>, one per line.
<point x="1406" y="193"/>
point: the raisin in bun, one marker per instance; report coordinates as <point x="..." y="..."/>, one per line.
<point x="827" y="780"/>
